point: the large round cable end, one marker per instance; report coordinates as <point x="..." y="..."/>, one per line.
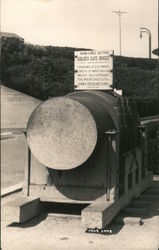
<point x="62" y="133"/>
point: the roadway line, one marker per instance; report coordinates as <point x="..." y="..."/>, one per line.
<point x="11" y="189"/>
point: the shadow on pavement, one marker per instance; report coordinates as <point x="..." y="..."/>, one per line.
<point x="30" y="223"/>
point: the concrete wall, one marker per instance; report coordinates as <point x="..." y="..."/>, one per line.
<point x="16" y="108"/>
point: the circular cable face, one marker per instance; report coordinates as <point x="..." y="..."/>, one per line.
<point x="61" y="133"/>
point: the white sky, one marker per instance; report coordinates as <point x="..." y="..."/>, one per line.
<point x="83" y="23"/>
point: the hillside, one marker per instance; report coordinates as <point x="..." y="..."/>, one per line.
<point x="46" y="71"/>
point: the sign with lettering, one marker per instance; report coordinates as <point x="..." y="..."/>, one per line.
<point x="93" y="70"/>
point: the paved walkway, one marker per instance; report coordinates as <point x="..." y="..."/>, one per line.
<point x="48" y="232"/>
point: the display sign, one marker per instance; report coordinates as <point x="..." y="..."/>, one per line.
<point x="93" y="70"/>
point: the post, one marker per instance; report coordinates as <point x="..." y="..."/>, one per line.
<point x="119" y="13"/>
<point x="109" y="140"/>
<point x="149" y="46"/>
<point x="27" y="169"/>
<point x="120" y="33"/>
<point x="143" y="140"/>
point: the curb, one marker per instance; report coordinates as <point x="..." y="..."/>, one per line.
<point x="11" y="189"/>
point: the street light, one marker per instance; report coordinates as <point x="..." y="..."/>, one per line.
<point x="145" y="30"/>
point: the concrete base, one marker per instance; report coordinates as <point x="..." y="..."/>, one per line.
<point x="21" y="209"/>
<point x="101" y="212"/>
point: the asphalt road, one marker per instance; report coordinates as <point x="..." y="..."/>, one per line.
<point x="12" y="159"/>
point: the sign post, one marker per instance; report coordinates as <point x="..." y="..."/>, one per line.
<point x="93" y="70"/>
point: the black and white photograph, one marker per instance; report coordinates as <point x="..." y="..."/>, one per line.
<point x="79" y="124"/>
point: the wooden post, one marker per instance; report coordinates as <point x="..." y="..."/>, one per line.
<point x="109" y="139"/>
<point x="144" y="150"/>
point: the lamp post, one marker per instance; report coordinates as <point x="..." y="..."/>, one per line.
<point x="145" y="30"/>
